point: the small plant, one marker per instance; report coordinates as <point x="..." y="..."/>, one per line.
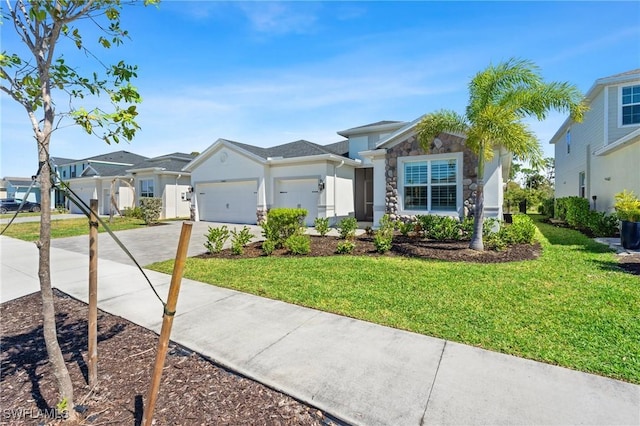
<point x="345" y="247"/>
<point x="347" y="228"/>
<point x="521" y="231"/>
<point x="281" y="223"/>
<point x="298" y="243"/>
<point x="134" y="212"/>
<point x="368" y="231"/>
<point x="151" y="208"/>
<point x="627" y="206"/>
<point x="405" y="226"/>
<point x="239" y="239"/>
<point x="383" y="239"/>
<point x="216" y="239"/>
<point x="268" y="246"/>
<point x="322" y="225"/>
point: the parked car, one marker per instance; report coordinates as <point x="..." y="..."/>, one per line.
<point x="13" y="204"/>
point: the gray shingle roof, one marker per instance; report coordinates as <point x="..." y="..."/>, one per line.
<point x="170" y="162"/>
<point x="377" y="123"/>
<point x="124" y="157"/>
<point x="300" y="148"/>
<point x="60" y="161"/>
<point x="104" y="170"/>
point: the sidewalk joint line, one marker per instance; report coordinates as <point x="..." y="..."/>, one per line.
<point x="433" y="384"/>
<point x="281" y="338"/>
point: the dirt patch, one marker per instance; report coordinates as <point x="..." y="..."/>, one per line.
<point x="630" y="263"/>
<point x="456" y="251"/>
<point x="194" y="391"/>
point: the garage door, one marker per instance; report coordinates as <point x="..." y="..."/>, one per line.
<point x="230" y="202"/>
<point x="299" y="193"/>
<point x="85" y="194"/>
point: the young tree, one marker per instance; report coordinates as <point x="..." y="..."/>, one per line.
<point x="500" y="97"/>
<point x="35" y="75"/>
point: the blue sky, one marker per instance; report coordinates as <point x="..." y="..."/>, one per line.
<point x="267" y="73"/>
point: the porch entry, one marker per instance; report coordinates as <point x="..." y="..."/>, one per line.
<point x="364" y="194"/>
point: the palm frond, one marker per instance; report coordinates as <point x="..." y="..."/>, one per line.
<point x="437" y="122"/>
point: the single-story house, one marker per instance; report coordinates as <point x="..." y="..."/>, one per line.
<point x="380" y="169"/>
<point x="163" y="177"/>
<point x="600" y="156"/>
<point x="236" y="182"/>
<point x="123" y="177"/>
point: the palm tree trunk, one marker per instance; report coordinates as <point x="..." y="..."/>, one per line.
<point x="60" y="371"/>
<point x="478" y="214"/>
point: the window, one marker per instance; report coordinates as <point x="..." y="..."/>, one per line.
<point x="568" y="141"/>
<point x="146" y="188"/>
<point x="430" y="185"/>
<point x="631" y="105"/>
<point x="581" y="185"/>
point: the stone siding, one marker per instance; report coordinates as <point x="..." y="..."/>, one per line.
<point x="443" y="144"/>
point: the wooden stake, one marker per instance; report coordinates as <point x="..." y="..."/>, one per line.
<point x="167" y="322"/>
<point x="93" y="295"/>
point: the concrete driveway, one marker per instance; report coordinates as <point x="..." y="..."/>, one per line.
<point x="149" y="244"/>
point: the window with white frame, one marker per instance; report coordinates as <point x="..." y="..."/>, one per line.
<point x="568" y="139"/>
<point x="146" y="187"/>
<point x="430" y="184"/>
<point x="582" y="188"/>
<point x="631" y="105"/>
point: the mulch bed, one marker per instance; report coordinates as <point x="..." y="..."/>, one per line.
<point x="457" y="251"/>
<point x="194" y="391"/>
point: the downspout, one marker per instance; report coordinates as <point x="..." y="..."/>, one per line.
<point x="335" y="185"/>
<point x="177" y="198"/>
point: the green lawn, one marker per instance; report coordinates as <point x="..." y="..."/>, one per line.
<point x="572" y="307"/>
<point x="29" y="231"/>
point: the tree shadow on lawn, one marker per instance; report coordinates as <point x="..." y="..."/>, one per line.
<point x="26" y="352"/>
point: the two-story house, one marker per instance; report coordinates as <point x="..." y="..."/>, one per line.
<point x="600" y="156"/>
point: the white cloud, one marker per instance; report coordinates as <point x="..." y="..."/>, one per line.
<point x="281" y="17"/>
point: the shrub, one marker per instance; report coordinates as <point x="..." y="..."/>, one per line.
<point x="134" y="212"/>
<point x="521" y="230"/>
<point x="405" y="226"/>
<point x="322" y="225"/>
<point x="347" y="227"/>
<point x="383" y="239"/>
<point x="489" y="226"/>
<point x="216" y="239"/>
<point x="573" y="210"/>
<point x="282" y="223"/>
<point x="151" y="208"/>
<point x="345" y="247"/>
<point x="627" y="206"/>
<point x="547" y="207"/>
<point x="447" y="228"/>
<point x="268" y="246"/>
<point x="239" y="239"/>
<point x="494" y="241"/>
<point x="298" y="244"/>
<point x="602" y="225"/>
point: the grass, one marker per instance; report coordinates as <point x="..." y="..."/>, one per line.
<point x="571" y="307"/>
<point x="29" y="231"/>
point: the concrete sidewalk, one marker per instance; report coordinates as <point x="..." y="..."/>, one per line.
<point x="357" y="371"/>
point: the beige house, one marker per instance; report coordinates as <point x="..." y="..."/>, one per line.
<point x="600" y="156"/>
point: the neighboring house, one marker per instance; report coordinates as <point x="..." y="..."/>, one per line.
<point x="600" y="156"/>
<point x="235" y="182"/>
<point x="379" y="169"/>
<point x="127" y="177"/>
<point x="17" y="187"/>
<point x="163" y="177"/>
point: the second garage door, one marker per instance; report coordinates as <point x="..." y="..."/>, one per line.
<point x="299" y="193"/>
<point x="230" y="202"/>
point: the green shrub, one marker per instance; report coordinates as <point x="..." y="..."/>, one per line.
<point x="135" y="212"/>
<point x="574" y="211"/>
<point x="347" y="227"/>
<point x="298" y="244"/>
<point x="151" y="208"/>
<point x="282" y="223"/>
<point x="268" y="246"/>
<point x="627" y="206"/>
<point x="322" y="225"/>
<point x="216" y="239"/>
<point x="383" y="238"/>
<point x="521" y="231"/>
<point x="602" y="225"/>
<point x="488" y="226"/>
<point x="441" y="227"/>
<point x="493" y="241"/>
<point x="239" y="239"/>
<point x="405" y="226"/>
<point x="345" y="247"/>
<point x="547" y="207"/>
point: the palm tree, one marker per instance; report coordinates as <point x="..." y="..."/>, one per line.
<point x="500" y="97"/>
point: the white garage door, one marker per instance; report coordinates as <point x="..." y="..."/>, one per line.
<point x="230" y="202"/>
<point x="85" y="194"/>
<point x="299" y="193"/>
